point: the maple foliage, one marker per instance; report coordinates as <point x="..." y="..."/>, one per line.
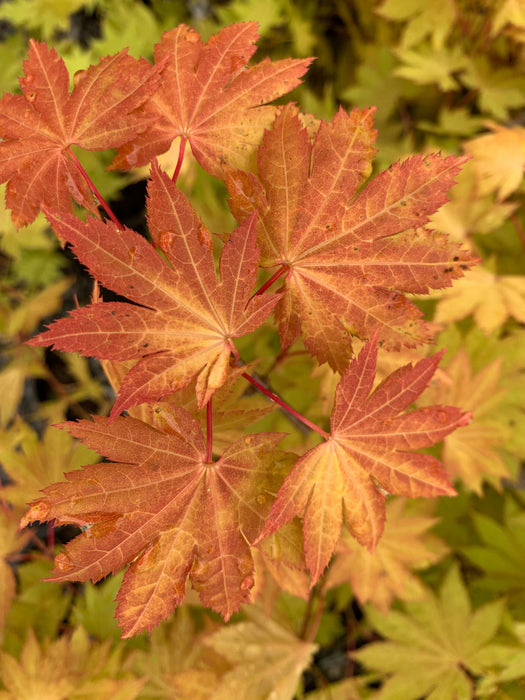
<point x="160" y="529"/>
<point x="381" y="576"/>
<point x="437" y="643"/>
<point x="230" y="342"/>
<point x="339" y="253"/>
<point x="187" y="498"/>
<point x="489" y="297"/>
<point x="38" y="127"/>
<point x="186" y="317"/>
<point x="210" y="97"/>
<point x="371" y="443"/>
<point x="471" y="454"/>
<point x="69" y="667"/>
<point x="148" y="507"/>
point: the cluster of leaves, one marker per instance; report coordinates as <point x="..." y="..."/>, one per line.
<point x="210" y="498"/>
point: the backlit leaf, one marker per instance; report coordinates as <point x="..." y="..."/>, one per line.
<point x="212" y="98"/>
<point x="163" y="505"/>
<point x="183" y="318"/>
<point x="340" y="258"/>
<point x="38" y="127"/>
<point x="372" y="443"/>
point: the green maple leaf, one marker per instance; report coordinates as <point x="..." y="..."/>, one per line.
<point x="424" y="66"/>
<point x="69" y="667"/>
<point x="435" y="648"/>
<point x="500" y="90"/>
<point x="501" y="552"/>
<point x="423" y="19"/>
<point x="44" y="16"/>
<point x="33" y="462"/>
<point x="375" y="85"/>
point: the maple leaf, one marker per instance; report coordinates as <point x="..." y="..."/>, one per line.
<point x="267" y="658"/>
<point x="500" y="89"/>
<point x="435" y="647"/>
<point x="500" y="552"/>
<point x="211" y="98"/>
<point x="387" y="573"/>
<point x="470" y="210"/>
<point x="12" y="541"/>
<point x="38" y="128"/>
<point x="425" y="65"/>
<point x="163" y="506"/>
<point x="70" y="667"/>
<point x="33" y="461"/>
<point x="471" y="454"/>
<point x="491" y="299"/>
<point x="499" y="159"/>
<point x="434" y="20"/>
<point x="186" y="318"/>
<point x="371" y="443"/>
<point x="341" y="258"/>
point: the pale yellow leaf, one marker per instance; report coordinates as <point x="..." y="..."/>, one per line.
<point x="499" y="159"/>
<point x="489" y="297"/>
<point x="472" y="453"/>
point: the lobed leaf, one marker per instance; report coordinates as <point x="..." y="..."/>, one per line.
<point x="38" y="127"/>
<point x="370" y="450"/>
<point x="182" y="319"/>
<point x="163" y="507"/>
<point x="345" y="255"/>
<point x="212" y="98"/>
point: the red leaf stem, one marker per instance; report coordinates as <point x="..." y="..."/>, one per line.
<point x="93" y="188"/>
<point x="182" y="148"/>
<point x="280" y="272"/>
<point x="284" y="405"/>
<point x="209" y="431"/>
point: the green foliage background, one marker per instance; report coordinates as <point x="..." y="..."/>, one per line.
<point x="444" y="75"/>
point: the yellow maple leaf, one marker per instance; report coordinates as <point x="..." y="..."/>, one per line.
<point x="469" y="210"/>
<point x="387" y="573"/>
<point x="510" y="12"/>
<point x="471" y="454"/>
<point x="434" y="19"/>
<point x="69" y="667"/>
<point x="489" y="297"/>
<point x="499" y="159"/>
<point x="11" y="542"/>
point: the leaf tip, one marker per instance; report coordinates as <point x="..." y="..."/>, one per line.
<point x="465" y="419"/>
<point x="38" y="511"/>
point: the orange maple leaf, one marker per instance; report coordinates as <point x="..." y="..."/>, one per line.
<point x="341" y="256"/>
<point x="183" y="318"/>
<point x="163" y="506"/>
<point x="371" y="444"/>
<point x="38" y="128"/>
<point x="210" y="97"/>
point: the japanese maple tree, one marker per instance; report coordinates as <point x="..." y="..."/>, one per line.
<point x="328" y="251"/>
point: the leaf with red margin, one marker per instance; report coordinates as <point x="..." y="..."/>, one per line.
<point x="37" y="127"/>
<point x="187" y="317"/>
<point x="369" y="449"/>
<point x="162" y="506"/>
<point x="211" y="97"/>
<point x="345" y="255"/>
